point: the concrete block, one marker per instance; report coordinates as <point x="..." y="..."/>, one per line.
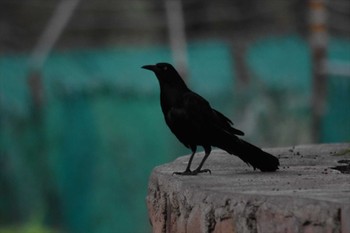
<point x="306" y="195"/>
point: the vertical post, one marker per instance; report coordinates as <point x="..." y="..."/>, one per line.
<point x="177" y="35"/>
<point x="47" y="39"/>
<point x="52" y="32"/>
<point x="318" y="44"/>
<point x="37" y="91"/>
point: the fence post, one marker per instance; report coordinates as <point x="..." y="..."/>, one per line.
<point x="177" y="35"/>
<point x="318" y="43"/>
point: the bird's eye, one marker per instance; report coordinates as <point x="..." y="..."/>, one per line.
<point x="165" y="68"/>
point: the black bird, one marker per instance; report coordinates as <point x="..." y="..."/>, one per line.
<point x="193" y="121"/>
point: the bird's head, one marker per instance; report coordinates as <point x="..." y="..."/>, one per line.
<point x="160" y="68"/>
<point x="166" y="73"/>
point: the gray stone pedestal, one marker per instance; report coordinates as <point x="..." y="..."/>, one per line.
<point x="305" y="195"/>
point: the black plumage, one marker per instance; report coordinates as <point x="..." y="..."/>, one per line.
<point x="195" y="123"/>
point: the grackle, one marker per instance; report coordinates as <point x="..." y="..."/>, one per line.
<point x="194" y="123"/>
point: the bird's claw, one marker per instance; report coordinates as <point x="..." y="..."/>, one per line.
<point x="184" y="173"/>
<point x="202" y="171"/>
<point x="192" y="173"/>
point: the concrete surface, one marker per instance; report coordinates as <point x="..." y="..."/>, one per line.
<point x="305" y="195"/>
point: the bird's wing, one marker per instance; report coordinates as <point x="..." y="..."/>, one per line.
<point x="202" y="115"/>
<point x="198" y="109"/>
<point x="190" y="113"/>
<point x="187" y="118"/>
<point x="201" y="110"/>
<point x="223" y="117"/>
<point x="226" y="123"/>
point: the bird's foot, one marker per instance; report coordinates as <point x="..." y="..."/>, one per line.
<point x="184" y="173"/>
<point x="197" y="171"/>
<point x="191" y="173"/>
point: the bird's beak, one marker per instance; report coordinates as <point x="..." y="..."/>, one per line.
<point x="149" y="67"/>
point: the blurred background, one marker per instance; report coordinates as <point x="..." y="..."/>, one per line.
<point x="80" y="123"/>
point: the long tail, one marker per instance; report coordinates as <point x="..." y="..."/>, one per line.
<point x="250" y="154"/>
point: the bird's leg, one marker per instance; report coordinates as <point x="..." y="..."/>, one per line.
<point x="188" y="171"/>
<point x="199" y="168"/>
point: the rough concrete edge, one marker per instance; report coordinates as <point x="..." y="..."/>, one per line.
<point x="176" y="209"/>
<point x="180" y="212"/>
